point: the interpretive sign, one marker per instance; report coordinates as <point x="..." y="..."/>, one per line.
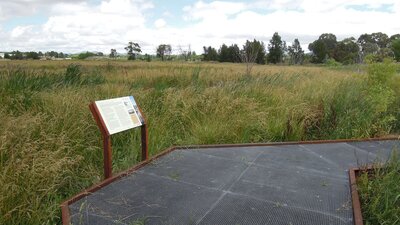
<point x="120" y="114"/>
<point x="116" y="115"/>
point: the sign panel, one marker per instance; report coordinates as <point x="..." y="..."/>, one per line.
<point x="120" y="114"/>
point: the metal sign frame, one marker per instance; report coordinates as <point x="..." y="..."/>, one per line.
<point x="107" y="148"/>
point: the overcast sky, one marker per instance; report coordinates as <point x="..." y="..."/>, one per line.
<point x="99" y="25"/>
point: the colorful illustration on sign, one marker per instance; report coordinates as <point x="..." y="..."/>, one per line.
<point x="137" y="109"/>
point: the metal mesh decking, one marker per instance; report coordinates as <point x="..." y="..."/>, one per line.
<point x="287" y="184"/>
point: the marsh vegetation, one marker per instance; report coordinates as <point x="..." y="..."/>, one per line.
<point x="51" y="148"/>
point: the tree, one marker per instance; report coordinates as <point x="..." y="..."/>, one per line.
<point x="395" y="37"/>
<point x="185" y="53"/>
<point x="381" y="39"/>
<point x="85" y="55"/>
<point x="163" y="50"/>
<point x="249" y="54"/>
<point x="276" y="49"/>
<point x="113" y="53"/>
<point x="253" y="52"/>
<point x="396" y="49"/>
<point x="51" y="54"/>
<point x="229" y="54"/>
<point x="346" y="51"/>
<point x="377" y="44"/>
<point x="223" y="53"/>
<point x="147" y="57"/>
<point x="16" y="55"/>
<point x="260" y="47"/>
<point x="133" y="49"/>
<point x="385" y="53"/>
<point x="296" y="53"/>
<point x="370" y="48"/>
<point x="330" y="42"/>
<point x="365" y="38"/>
<point x="234" y="53"/>
<point x="323" y="48"/>
<point x="319" y="51"/>
<point x="32" y="55"/>
<point x="210" y="54"/>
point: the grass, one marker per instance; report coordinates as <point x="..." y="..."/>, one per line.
<point x="50" y="147"/>
<point x="379" y="192"/>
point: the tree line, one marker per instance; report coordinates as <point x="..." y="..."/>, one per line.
<point x="372" y="47"/>
<point x="17" y="55"/>
<point x="163" y="52"/>
<point x="375" y="47"/>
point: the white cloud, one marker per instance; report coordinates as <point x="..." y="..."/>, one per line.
<point x="83" y="27"/>
<point x="286" y="5"/>
<point x="79" y="26"/>
<point x="304" y="19"/>
<point x="18" y="31"/>
<point x="213" y="10"/>
<point x="160" y="23"/>
<point x="9" y="9"/>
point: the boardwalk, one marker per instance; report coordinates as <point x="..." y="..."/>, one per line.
<point x="284" y="184"/>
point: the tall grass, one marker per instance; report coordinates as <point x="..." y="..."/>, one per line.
<point x="380" y="194"/>
<point x="51" y="148"/>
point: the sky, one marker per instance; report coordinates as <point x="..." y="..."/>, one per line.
<point x="73" y="26"/>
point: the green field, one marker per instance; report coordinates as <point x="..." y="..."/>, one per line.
<point x="51" y="148"/>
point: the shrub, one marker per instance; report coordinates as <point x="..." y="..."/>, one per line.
<point x="85" y="55"/>
<point x="380" y="73"/>
<point x="332" y="63"/>
<point x="380" y="96"/>
<point x="73" y="74"/>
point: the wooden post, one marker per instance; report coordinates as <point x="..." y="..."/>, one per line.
<point x="107" y="157"/>
<point x="107" y="151"/>
<point x="144" y="137"/>
<point x="145" y="147"/>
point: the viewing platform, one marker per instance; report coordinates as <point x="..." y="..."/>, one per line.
<point x="280" y="184"/>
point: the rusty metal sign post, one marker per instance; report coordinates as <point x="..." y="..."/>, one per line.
<point x="116" y="115"/>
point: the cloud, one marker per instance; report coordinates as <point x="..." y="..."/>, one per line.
<point x="15" y="8"/>
<point x="213" y="10"/>
<point x="82" y="27"/>
<point x="304" y="19"/>
<point x="287" y="5"/>
<point x="160" y="23"/>
<point x="79" y="26"/>
<point x="19" y="31"/>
